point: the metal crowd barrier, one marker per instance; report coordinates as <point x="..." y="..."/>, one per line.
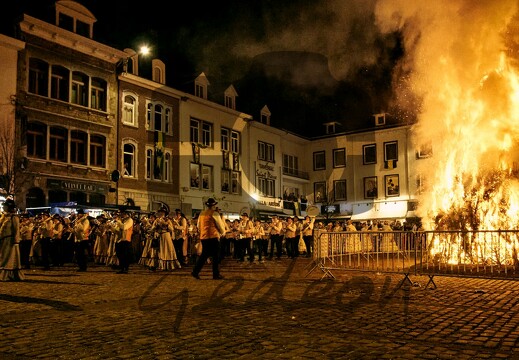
<point x="453" y="253"/>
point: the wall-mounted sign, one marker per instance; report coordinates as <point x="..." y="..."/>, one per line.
<point x="76" y="186"/>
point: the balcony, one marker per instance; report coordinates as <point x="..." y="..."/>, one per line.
<point x="296" y="173"/>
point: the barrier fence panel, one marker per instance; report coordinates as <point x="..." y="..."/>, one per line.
<point x="453" y="253"/>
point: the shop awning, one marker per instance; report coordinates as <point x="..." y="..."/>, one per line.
<point x="380" y="210"/>
<point x="265" y="214"/>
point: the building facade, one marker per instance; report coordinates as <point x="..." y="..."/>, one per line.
<point x="90" y="130"/>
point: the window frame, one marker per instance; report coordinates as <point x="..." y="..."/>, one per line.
<point x="320" y="188"/>
<point x="316" y="161"/>
<point x="368" y="194"/>
<point x="132" y="156"/>
<point x="129" y="110"/>
<point x="336" y="189"/>
<point x="392" y="185"/>
<point x="367" y="156"/>
<point x="336" y="153"/>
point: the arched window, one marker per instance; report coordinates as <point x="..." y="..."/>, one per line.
<point x="130" y="110"/>
<point x="38" y="77"/>
<point x="129" y="160"/>
<point x="149" y="163"/>
<point x="98" y="94"/>
<point x="157" y="118"/>
<point x="97" y="150"/>
<point x="79" y="89"/>
<point x="59" y="85"/>
<point x="78" y="147"/>
<point x="36" y="140"/>
<point x="58" y="144"/>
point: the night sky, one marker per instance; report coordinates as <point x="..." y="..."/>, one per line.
<point x="309" y="61"/>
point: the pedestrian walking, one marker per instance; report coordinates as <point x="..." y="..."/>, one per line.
<point x="10" y="264"/>
<point x="123" y="247"/>
<point x="211" y="227"/>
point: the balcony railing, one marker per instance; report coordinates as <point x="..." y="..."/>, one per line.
<point x="296" y="173"/>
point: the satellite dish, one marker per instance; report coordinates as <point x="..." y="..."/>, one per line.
<point x="312" y="210"/>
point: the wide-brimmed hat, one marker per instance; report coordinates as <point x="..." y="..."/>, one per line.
<point x="211" y="202"/>
<point x="164" y="210"/>
<point x="245" y="214"/>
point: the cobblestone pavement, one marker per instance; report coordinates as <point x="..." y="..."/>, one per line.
<point x="276" y="310"/>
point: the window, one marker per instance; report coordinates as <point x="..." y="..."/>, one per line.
<point x="82" y="28"/>
<point x="157" y="118"/>
<point x="230" y="182"/>
<point x="265" y="151"/>
<point x="38" y="77"/>
<point x="224" y="138"/>
<point x="36" y="140"/>
<point x="424" y="151"/>
<point x="167" y="121"/>
<point x="66" y="22"/>
<point x="290" y="165"/>
<point x="194" y="174"/>
<point x="339" y="158"/>
<point x="149" y="112"/>
<point x="129" y="110"/>
<point x="265" y="115"/>
<point x="369" y="154"/>
<point x="58" y="144"/>
<point x="201" y="132"/>
<point x="266" y="187"/>
<point x="235" y="142"/>
<point x="235" y="182"/>
<point x="201" y="176"/>
<point x="98" y="94"/>
<point x="129" y="160"/>
<point x="167" y="167"/>
<point x="149" y="164"/>
<point x="200" y="91"/>
<point x="370" y="187"/>
<point x="59" y="83"/>
<point x="390" y="154"/>
<point x="207" y="177"/>
<point x="97" y="150"/>
<point x="194" y="131"/>
<point x="320" y="192"/>
<point x="78" y="147"/>
<point x="339" y="189"/>
<point x="319" y="160"/>
<point x="79" y="89"/>
<point x="229" y="102"/>
<point x="392" y="185"/>
<point x="226" y="181"/>
<point x="206" y="134"/>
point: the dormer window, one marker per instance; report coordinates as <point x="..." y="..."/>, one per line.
<point x="265" y="115"/>
<point x="230" y="97"/>
<point x="330" y="127"/>
<point x="201" y="84"/>
<point x="74" y="17"/>
<point x="380" y="119"/>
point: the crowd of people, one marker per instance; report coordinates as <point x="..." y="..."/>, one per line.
<point x="158" y="241"/>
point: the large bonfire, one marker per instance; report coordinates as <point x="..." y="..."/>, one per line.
<point x="461" y="64"/>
